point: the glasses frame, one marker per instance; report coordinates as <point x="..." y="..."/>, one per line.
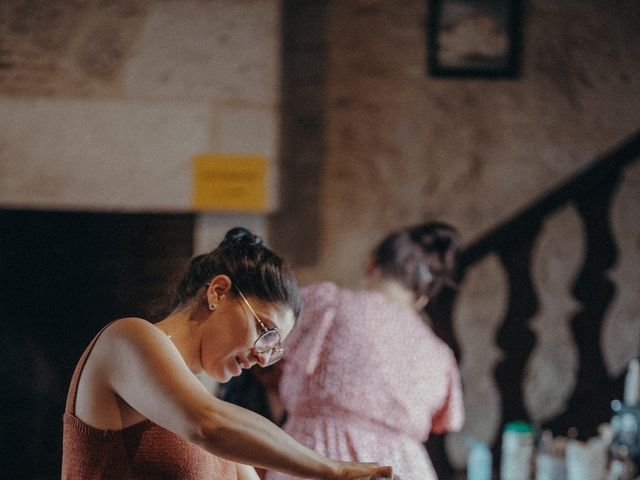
<point x="275" y="353"/>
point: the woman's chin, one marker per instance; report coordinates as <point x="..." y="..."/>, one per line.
<point x="226" y="374"/>
<point x="219" y="375"/>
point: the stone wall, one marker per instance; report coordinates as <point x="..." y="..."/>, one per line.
<point x="104" y="104"/>
<point x="403" y="147"/>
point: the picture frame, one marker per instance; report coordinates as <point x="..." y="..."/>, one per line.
<point x="474" y="38"/>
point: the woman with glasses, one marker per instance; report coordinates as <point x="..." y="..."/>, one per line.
<point x="136" y="409"/>
<point x="365" y="377"/>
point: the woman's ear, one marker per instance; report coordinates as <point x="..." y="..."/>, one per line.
<point x="370" y="267"/>
<point x="218" y="288"/>
<point x="421" y="302"/>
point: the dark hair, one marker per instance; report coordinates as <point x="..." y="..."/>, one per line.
<point x="252" y="267"/>
<point x="423" y="258"/>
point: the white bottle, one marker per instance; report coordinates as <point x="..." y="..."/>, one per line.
<point x="632" y="384"/>
<point x="517" y="451"/>
<point x="479" y="461"/>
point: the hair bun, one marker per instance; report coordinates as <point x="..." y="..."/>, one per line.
<point x="436" y="237"/>
<point x="240" y="236"/>
<point x="442" y="243"/>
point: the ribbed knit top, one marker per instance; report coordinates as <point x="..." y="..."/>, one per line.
<point x="141" y="451"/>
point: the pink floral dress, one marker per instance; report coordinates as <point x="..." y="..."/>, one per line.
<point x="365" y="379"/>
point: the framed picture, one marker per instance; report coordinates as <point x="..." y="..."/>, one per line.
<point x="474" y="38"/>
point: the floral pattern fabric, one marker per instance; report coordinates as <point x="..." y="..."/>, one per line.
<point x="365" y="379"/>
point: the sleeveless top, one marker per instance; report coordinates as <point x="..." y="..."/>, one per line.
<point x="141" y="451"/>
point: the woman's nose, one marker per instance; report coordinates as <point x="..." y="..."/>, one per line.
<point x="262" y="357"/>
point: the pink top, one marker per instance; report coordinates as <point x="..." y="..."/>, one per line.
<point x="365" y="379"/>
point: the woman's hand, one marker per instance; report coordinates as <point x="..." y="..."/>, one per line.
<point x="365" y="471"/>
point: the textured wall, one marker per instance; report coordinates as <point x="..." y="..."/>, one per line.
<point x="402" y="147"/>
<point x="103" y="104"/>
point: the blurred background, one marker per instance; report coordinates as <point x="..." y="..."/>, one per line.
<point x="516" y="121"/>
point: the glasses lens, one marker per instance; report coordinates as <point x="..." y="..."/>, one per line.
<point x="274" y="357"/>
<point x="267" y="341"/>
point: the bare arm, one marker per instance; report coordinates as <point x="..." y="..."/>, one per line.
<point x="245" y="472"/>
<point x="146" y="370"/>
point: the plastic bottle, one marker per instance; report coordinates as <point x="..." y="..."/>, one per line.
<point x="479" y="461"/>
<point x="632" y="384"/>
<point x="517" y="451"/>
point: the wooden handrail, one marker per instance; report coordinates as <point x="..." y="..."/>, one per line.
<point x="591" y="191"/>
<point x="512" y="229"/>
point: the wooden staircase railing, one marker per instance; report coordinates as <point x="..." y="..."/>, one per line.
<point x="590" y="192"/>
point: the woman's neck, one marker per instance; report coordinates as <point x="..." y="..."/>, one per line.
<point x="181" y="329"/>
<point x="392" y="290"/>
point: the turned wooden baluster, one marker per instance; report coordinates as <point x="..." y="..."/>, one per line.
<point x="588" y="406"/>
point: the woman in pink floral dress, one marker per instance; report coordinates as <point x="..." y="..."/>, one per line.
<point x="365" y="378"/>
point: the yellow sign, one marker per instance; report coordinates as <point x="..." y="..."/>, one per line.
<point x="230" y="182"/>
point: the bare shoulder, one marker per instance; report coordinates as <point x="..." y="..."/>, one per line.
<point x="119" y="351"/>
<point x="132" y="329"/>
<point x="131" y="324"/>
<point x="130" y="336"/>
<point x="124" y="327"/>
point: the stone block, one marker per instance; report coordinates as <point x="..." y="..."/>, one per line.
<point x="99" y="155"/>
<point x="220" y="51"/>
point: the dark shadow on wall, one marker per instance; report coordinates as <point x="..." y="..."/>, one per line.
<point x="295" y="229"/>
<point x="64" y="275"/>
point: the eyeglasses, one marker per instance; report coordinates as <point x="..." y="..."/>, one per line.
<point x="268" y="344"/>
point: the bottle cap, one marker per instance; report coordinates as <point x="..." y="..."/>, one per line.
<point x="519" y="427"/>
